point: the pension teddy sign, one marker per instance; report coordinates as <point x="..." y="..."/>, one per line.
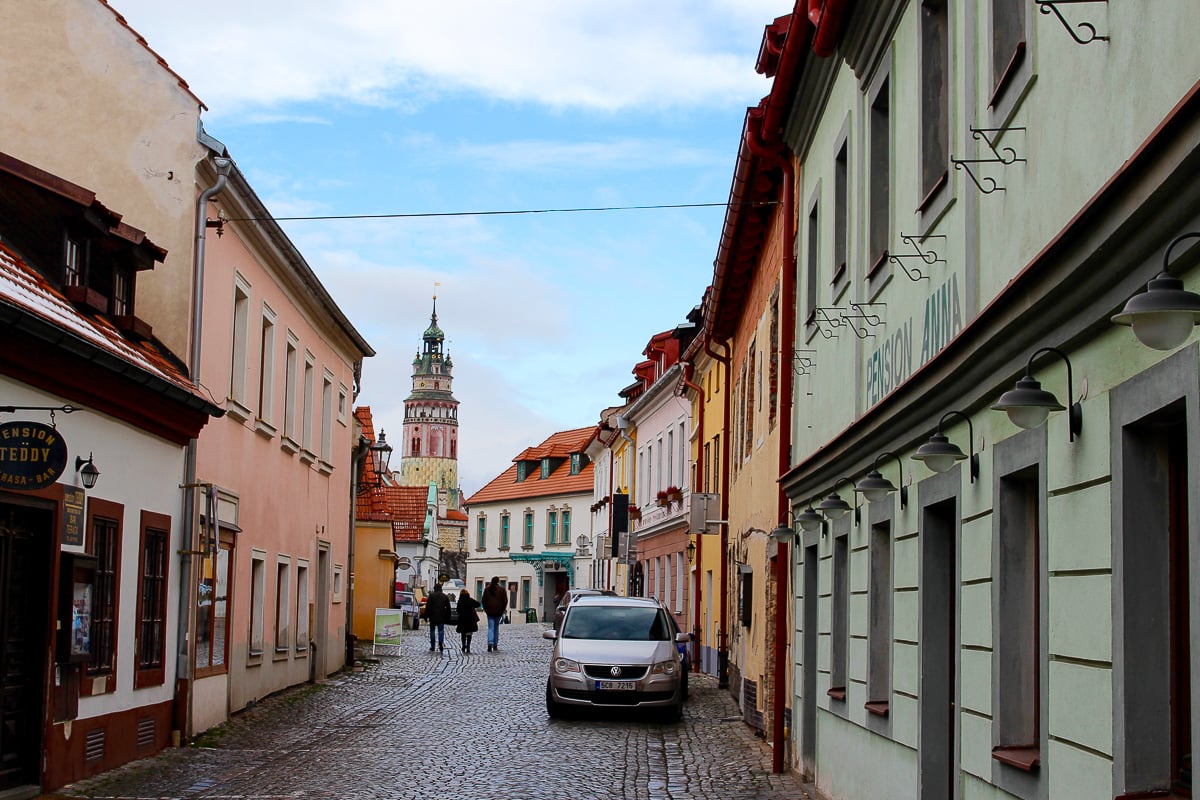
<point x="32" y="455"/>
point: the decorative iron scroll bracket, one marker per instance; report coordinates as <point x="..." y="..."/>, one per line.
<point x="1004" y="157"/>
<point x="861" y="321"/>
<point x="803" y="363"/>
<point x="826" y="323"/>
<point x="1088" y="29"/>
<point x="927" y="256"/>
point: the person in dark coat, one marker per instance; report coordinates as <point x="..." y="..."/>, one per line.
<point x="468" y="618"/>
<point x="495" y="603"/>
<point x="437" y="614"/>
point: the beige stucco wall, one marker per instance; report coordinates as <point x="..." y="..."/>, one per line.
<point x="70" y="67"/>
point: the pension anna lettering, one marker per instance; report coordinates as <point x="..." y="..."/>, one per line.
<point x="890" y="364"/>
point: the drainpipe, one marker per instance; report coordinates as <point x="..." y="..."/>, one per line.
<point x="723" y="637"/>
<point x="359" y="456"/>
<point x="608" y="565"/>
<point x="185" y="668"/>
<point x="776" y="152"/>
<point x="688" y="369"/>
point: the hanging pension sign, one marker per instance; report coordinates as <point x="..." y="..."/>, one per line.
<point x="32" y="455"/>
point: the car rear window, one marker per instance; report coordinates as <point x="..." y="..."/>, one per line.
<point x="611" y="623"/>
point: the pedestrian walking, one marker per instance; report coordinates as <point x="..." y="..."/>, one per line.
<point x="468" y="618"/>
<point x="437" y="614"/>
<point x="495" y="603"/>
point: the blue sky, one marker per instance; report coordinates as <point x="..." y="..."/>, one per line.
<point x="420" y="108"/>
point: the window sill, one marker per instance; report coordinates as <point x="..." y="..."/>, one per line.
<point x="265" y="429"/>
<point x="324" y="467"/>
<point x="281" y="653"/>
<point x="302" y="651"/>
<point x="236" y="410"/>
<point x="879" y="709"/>
<point x="289" y="445"/>
<point x="837" y="693"/>
<point x="308" y="456"/>
<point x="1022" y="758"/>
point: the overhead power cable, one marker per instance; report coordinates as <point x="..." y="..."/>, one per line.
<point x="510" y="212"/>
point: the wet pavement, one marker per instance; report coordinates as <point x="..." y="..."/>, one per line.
<point x="414" y="725"/>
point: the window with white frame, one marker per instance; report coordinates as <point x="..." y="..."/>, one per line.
<point x="291" y="378"/>
<point x="327" y="416"/>
<point x="258" y="596"/>
<point x="283" y="594"/>
<point x="266" y="366"/>
<point x="306" y="422"/>
<point x="301" y="606"/>
<point x="240" y="336"/>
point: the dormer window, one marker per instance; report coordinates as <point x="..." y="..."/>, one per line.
<point x="72" y="262"/>
<point x="545" y="468"/>
<point x="521" y="471"/>
<point x="576" y="463"/>
<point x="121" y="293"/>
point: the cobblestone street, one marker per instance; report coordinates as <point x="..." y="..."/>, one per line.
<point x="415" y="724"/>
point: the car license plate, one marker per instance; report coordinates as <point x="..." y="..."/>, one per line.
<point x="628" y="686"/>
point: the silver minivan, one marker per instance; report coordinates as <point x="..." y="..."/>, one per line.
<point x="616" y="652"/>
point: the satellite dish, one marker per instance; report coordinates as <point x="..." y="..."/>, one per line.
<point x="404" y="563"/>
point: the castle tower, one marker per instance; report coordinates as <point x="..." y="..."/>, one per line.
<point x="430" y="450"/>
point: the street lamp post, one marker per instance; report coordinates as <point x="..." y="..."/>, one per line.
<point x="462" y="555"/>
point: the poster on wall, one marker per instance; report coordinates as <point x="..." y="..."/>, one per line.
<point x="81" y="620"/>
<point x="70" y="538"/>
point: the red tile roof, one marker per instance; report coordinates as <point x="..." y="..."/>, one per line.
<point x="560" y="445"/>
<point x="404" y="506"/>
<point x="28" y="294"/>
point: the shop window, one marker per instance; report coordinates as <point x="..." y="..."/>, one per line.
<point x="1154" y="574"/>
<point x="839" y="639"/>
<point x="212" y="612"/>
<point x="1016" y="727"/>
<point x="879" y="628"/>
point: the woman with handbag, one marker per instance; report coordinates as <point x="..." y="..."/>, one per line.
<point x="468" y="618"/>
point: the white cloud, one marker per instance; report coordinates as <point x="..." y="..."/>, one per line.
<point x="607" y="55"/>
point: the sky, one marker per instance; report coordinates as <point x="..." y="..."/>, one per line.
<point x="446" y="107"/>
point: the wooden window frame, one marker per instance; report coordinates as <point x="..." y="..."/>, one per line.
<point x="106" y="674"/>
<point x="150" y="659"/>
